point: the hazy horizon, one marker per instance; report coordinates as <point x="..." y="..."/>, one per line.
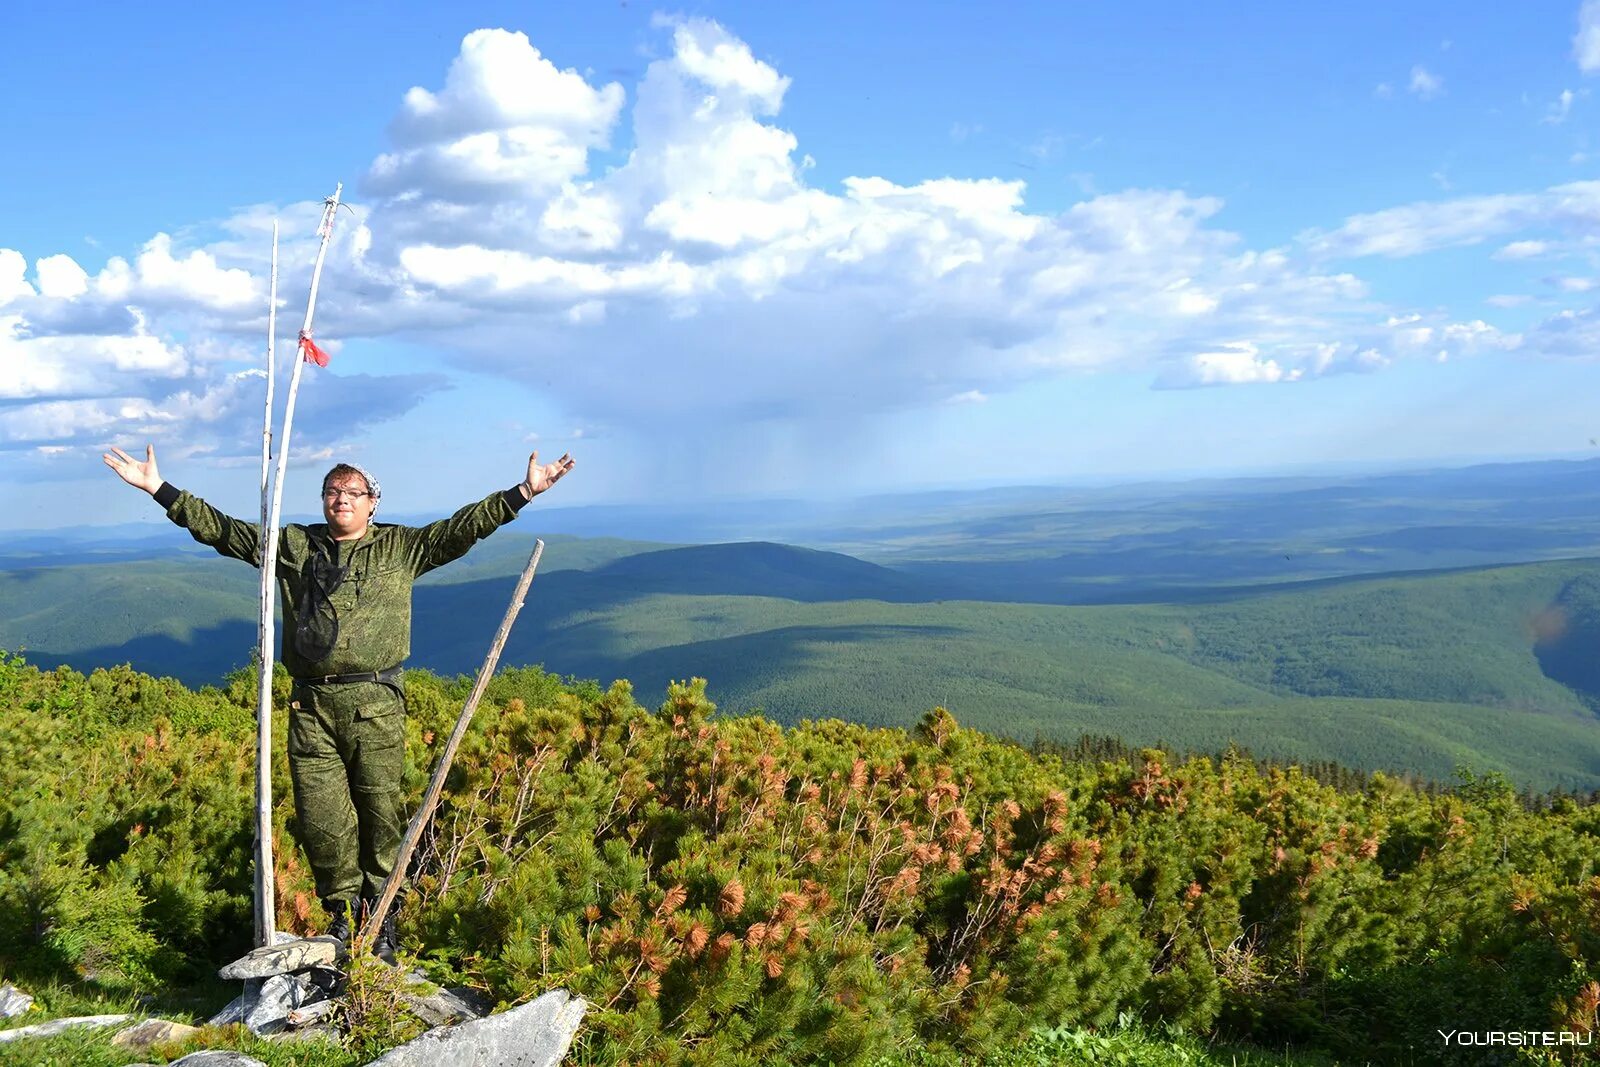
<point x="557" y="514"/>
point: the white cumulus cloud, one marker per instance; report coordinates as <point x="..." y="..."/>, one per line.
<point x="1232" y="363"/>
<point x="507" y="122"/>
<point x="1568" y="334"/>
<point x="14" y="285"/>
<point x="1425" y="84"/>
<point x="1586" y="43"/>
<point x="61" y="278"/>
<point x="1558" y="112"/>
<point x="1523" y="250"/>
<point x="706" y="270"/>
<point x="159" y="278"/>
<point x="67" y="364"/>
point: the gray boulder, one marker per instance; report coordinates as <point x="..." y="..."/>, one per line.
<point x="269" y="960"/>
<point x="280" y="994"/>
<point x="216" y="1057"/>
<point x="13" y="1001"/>
<point x="535" y="1034"/>
<point x="328" y="979"/>
<point x="56" y="1026"/>
<point x="141" y="1036"/>
<point x="316" y="1011"/>
<point x="442" y="1007"/>
<point x="239" y="1006"/>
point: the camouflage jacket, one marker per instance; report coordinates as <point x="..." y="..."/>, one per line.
<point x="373" y="602"/>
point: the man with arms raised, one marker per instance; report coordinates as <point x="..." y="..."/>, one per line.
<point x="346" y="591"/>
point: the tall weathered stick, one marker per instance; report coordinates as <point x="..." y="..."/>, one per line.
<point x="430" y="799"/>
<point x="266" y="895"/>
<point x="330" y="207"/>
<point x="265" y="900"/>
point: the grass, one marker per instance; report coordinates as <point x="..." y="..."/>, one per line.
<point x="1062" y="1047"/>
<point x="93" y="1048"/>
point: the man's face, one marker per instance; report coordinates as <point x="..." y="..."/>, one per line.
<point x="347" y="506"/>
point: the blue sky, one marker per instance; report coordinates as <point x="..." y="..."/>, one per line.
<point x="796" y="249"/>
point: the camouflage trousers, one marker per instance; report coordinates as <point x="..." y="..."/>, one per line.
<point x="346" y="758"/>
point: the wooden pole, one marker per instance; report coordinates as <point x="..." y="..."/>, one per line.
<point x="330" y="207"/>
<point x="430" y="799"/>
<point x="266" y="903"/>
<point x="266" y="894"/>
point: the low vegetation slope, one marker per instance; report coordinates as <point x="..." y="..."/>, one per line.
<point x="732" y="890"/>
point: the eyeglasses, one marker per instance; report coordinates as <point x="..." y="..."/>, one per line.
<point x="348" y="494"/>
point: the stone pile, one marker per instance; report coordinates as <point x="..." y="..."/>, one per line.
<point x="282" y="980"/>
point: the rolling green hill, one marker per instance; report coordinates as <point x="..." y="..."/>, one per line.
<point x="1417" y="673"/>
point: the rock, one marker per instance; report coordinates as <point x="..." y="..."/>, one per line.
<point x="239" y="1006"/>
<point x="316" y="1011"/>
<point x="56" y="1026"/>
<point x="216" y="1057"/>
<point x="280" y="994"/>
<point x="441" y="1007"/>
<point x="327" y="979"/>
<point x="142" y="1036"/>
<point x="295" y="955"/>
<point x="535" y="1034"/>
<point x="13" y="1001"/>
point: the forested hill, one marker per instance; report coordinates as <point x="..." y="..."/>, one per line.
<point x="725" y="889"/>
<point x="1488" y="667"/>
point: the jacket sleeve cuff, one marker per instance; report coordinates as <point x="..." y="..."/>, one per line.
<point x="513" y="498"/>
<point x="167" y="495"/>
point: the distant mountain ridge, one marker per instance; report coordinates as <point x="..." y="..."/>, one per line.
<point x="1432" y="667"/>
<point x="1366" y="620"/>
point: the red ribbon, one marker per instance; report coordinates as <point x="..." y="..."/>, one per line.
<point x="311" y="353"/>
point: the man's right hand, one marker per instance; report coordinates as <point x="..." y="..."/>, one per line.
<point x="139" y="475"/>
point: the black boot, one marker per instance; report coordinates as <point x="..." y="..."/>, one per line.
<point x="385" y="943"/>
<point x="338" y="920"/>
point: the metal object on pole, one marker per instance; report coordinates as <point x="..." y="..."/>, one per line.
<point x="265" y="888"/>
<point x="430" y="799"/>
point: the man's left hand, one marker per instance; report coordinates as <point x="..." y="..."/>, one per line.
<point x="542" y="476"/>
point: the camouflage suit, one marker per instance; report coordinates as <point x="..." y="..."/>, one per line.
<point x="347" y="738"/>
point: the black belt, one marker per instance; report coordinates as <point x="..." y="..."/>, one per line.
<point x="387" y="676"/>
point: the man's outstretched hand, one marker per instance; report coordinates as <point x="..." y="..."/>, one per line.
<point x="540" y="476"/>
<point x="140" y="475"/>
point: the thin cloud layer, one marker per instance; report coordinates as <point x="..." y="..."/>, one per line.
<point x="1414" y="229"/>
